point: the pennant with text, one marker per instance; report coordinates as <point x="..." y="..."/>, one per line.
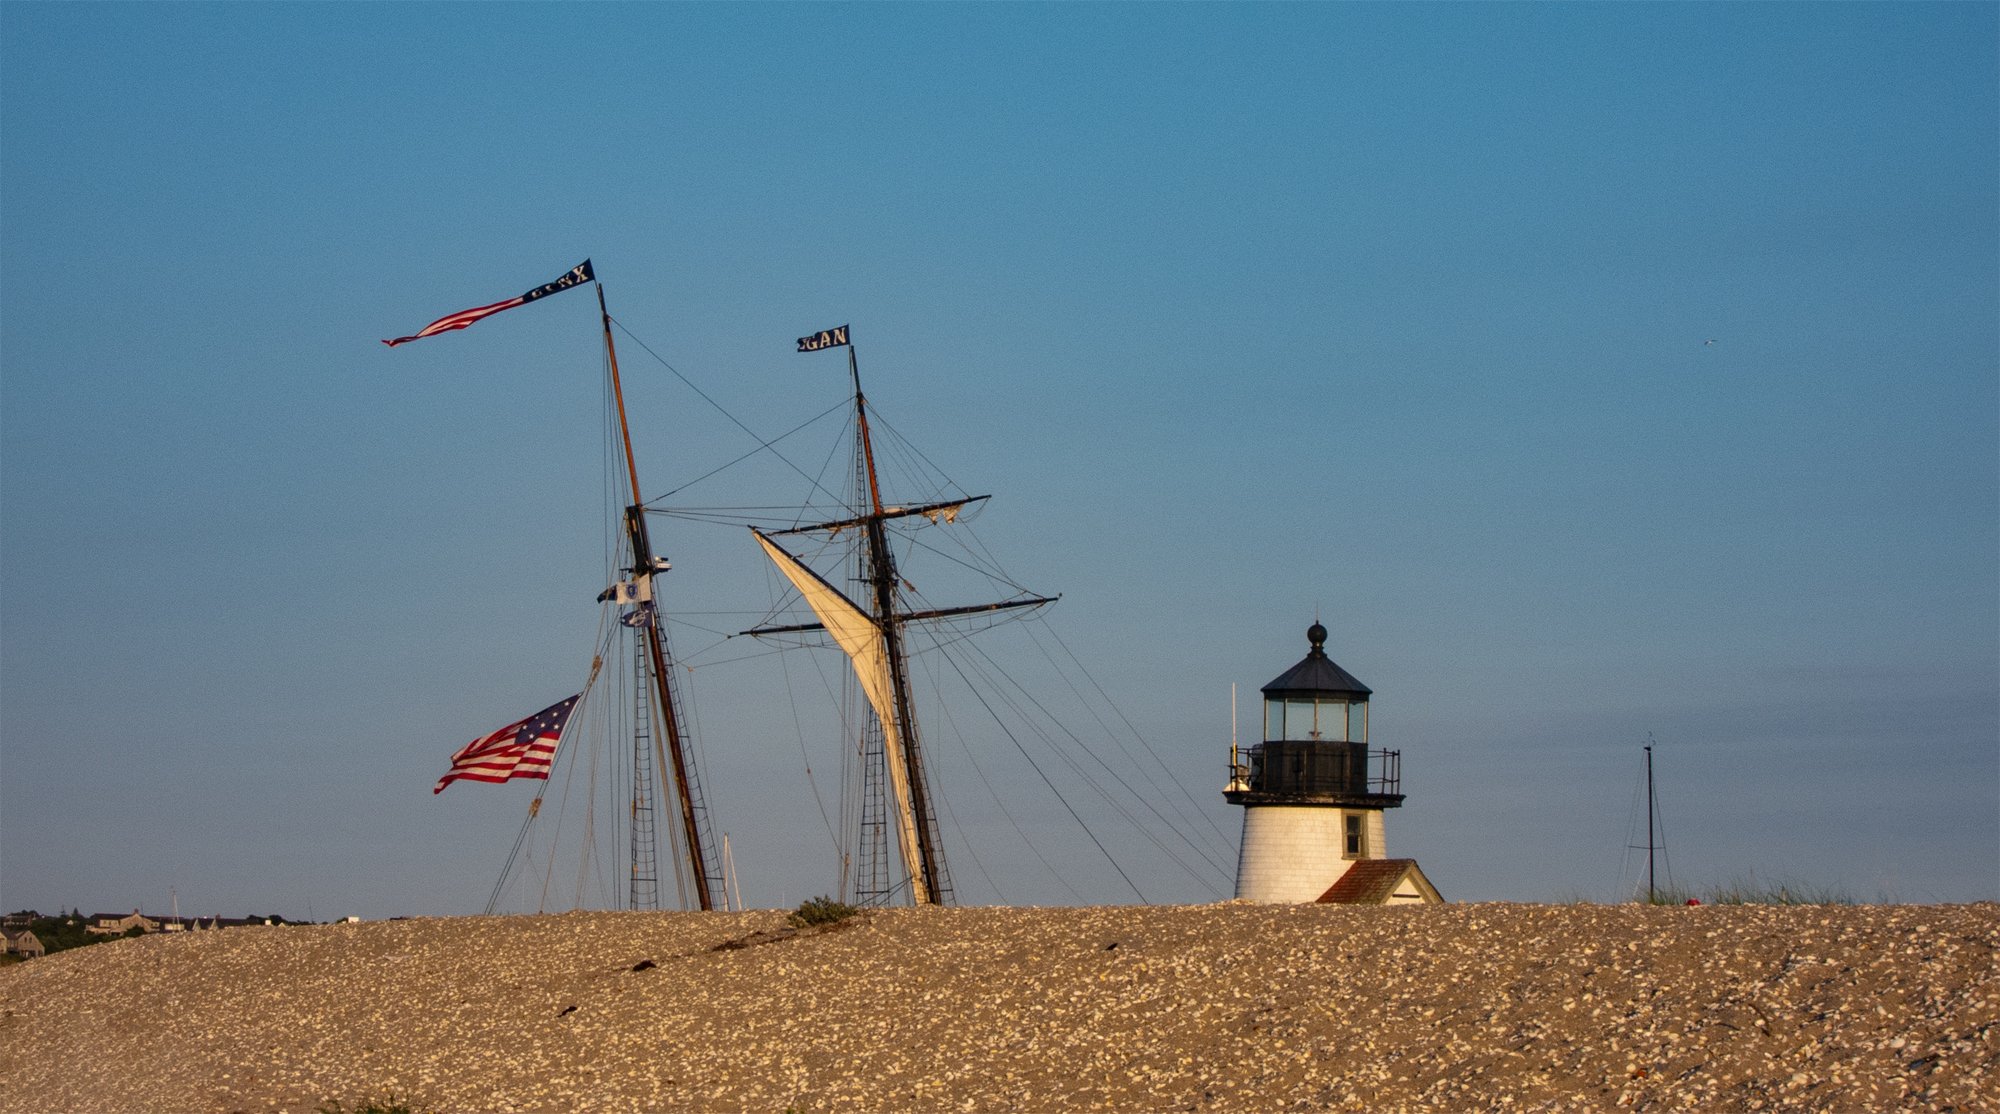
<point x="825" y="338"/>
<point x="577" y="276"/>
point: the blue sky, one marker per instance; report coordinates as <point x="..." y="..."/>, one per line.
<point x="1396" y="314"/>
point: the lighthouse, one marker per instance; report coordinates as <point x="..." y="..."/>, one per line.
<point x="1313" y="795"/>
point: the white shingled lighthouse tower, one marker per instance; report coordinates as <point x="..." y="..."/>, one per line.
<point x="1313" y="795"/>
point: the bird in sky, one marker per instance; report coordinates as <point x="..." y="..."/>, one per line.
<point x="1709" y="343"/>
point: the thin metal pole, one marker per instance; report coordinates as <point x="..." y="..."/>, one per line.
<point x="1652" y="896"/>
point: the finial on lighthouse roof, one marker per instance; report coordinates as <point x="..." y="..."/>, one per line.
<point x="1316" y="674"/>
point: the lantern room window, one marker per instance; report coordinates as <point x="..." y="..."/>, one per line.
<point x="1324" y="719"/>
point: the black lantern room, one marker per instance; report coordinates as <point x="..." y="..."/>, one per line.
<point x="1315" y="748"/>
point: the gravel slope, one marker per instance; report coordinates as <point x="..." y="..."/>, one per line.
<point x="1217" y="1007"/>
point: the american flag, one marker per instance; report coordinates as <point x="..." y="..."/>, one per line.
<point x="577" y="275"/>
<point x="521" y="749"/>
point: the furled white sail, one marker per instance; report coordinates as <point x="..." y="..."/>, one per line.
<point x="858" y="635"/>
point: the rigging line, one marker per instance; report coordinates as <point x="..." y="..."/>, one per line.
<point x="944" y="637"/>
<point x="908" y="475"/>
<point x="730" y="516"/>
<point x="783" y="606"/>
<point x="971" y="756"/>
<point x="585" y="863"/>
<point x="1136" y="734"/>
<point x="991" y="573"/>
<point x="601" y="737"/>
<point x="679" y="612"/>
<point x="1109" y="798"/>
<point x="1632" y="814"/>
<point x="593" y="863"/>
<point x="688" y="663"/>
<point x="1115" y="776"/>
<point x="562" y="810"/>
<point x="965" y="841"/>
<point x="697" y="759"/>
<point x="682" y="624"/>
<point x="685" y="701"/>
<point x="951" y="815"/>
<point x="977" y="553"/>
<point x="836" y="450"/>
<point x="1040" y="773"/>
<point x="799" y="731"/>
<point x="534" y="809"/>
<point x="730" y="512"/>
<point x="1109" y="733"/>
<point x="589" y="856"/>
<point x="850" y="779"/>
<point x="897" y="438"/>
<point x="977" y="547"/>
<point x="751" y="453"/>
<point x="500" y="883"/>
<point x="782" y="648"/>
<point x="798" y="726"/>
<point x="937" y="790"/>
<point x="704" y="397"/>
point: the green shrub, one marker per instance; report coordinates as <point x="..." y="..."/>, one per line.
<point x="820" y="910"/>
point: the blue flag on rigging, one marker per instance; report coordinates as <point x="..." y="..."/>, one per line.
<point x="524" y="748"/>
<point x="577" y="276"/>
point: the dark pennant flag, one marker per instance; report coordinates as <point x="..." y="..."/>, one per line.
<point x="825" y="338"/>
<point x="577" y="276"/>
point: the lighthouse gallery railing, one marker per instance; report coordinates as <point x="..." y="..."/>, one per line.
<point x="1323" y="769"/>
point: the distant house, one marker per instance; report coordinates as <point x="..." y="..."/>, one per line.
<point x="207" y="924"/>
<point x="23" y="943"/>
<point x="118" y="924"/>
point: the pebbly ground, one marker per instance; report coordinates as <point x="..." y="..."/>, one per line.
<point x="1216" y="1007"/>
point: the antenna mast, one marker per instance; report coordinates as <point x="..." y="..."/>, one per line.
<point x="1652" y="894"/>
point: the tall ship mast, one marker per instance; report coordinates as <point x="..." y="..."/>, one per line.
<point x="660" y="760"/>
<point x="872" y="631"/>
<point x="660" y="719"/>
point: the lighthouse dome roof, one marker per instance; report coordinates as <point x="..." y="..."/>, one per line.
<point x="1317" y="674"/>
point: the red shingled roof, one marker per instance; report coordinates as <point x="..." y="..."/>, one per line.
<point x="1371" y="881"/>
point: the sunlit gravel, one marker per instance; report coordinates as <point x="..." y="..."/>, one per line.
<point x="1217" y="1007"/>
